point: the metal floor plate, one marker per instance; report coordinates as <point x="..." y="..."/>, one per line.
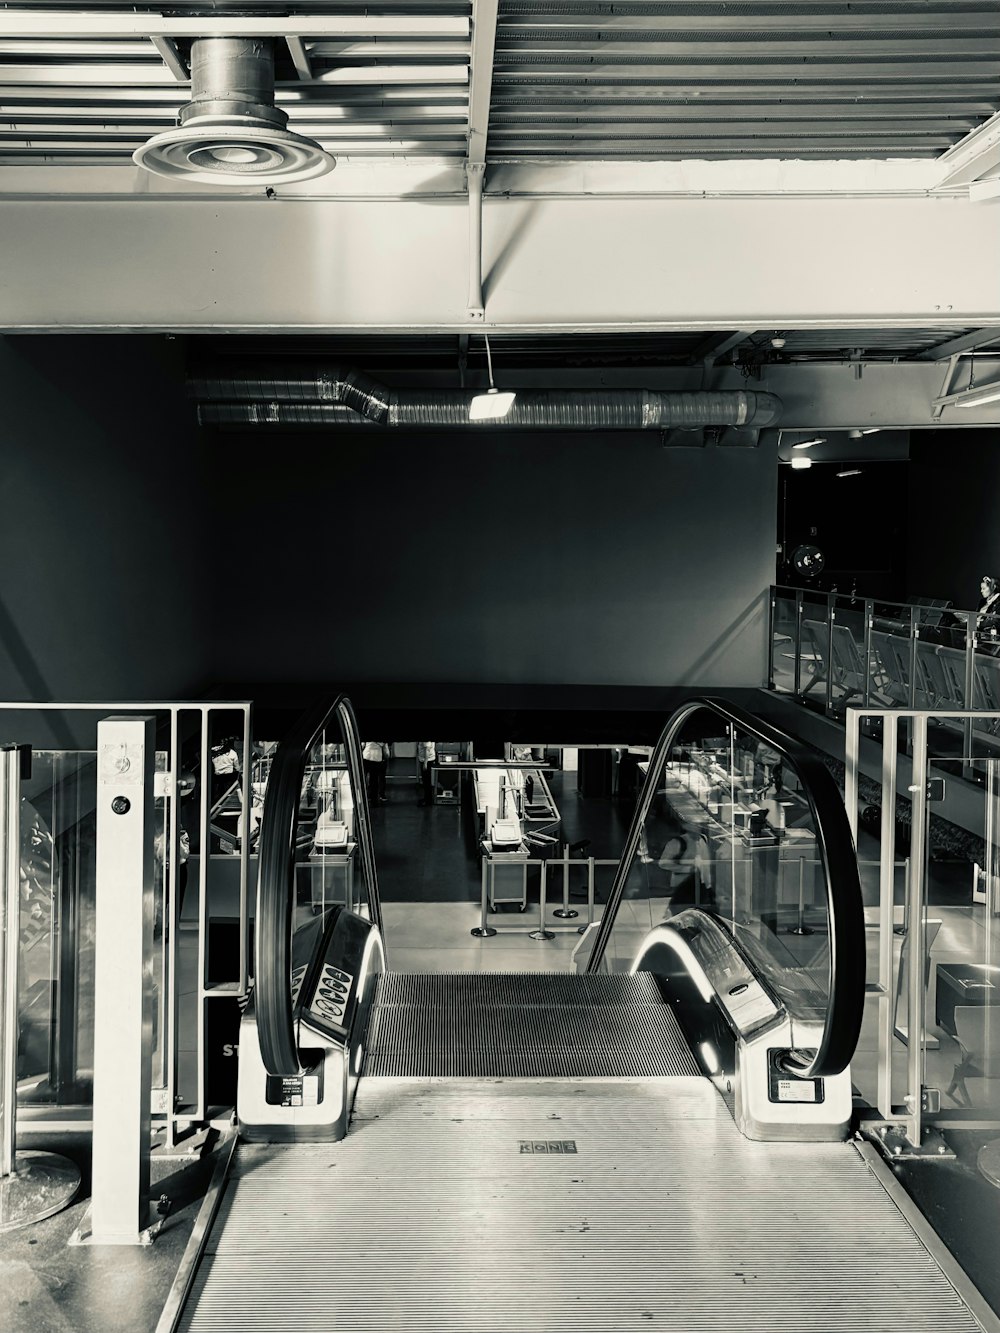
<point x="534" y="1025"/>
<point x="550" y="1205"/>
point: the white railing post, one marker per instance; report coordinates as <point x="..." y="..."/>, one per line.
<point x="123" y="993"/>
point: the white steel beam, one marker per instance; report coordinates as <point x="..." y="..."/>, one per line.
<point x="300" y="57"/>
<point x="974" y="156"/>
<point x="103" y="25"/>
<point x="172" y="58"/>
<point x="607" y="264"/>
<point x="484" y="32"/>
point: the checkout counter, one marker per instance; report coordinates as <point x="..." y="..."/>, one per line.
<point x="518" y="821"/>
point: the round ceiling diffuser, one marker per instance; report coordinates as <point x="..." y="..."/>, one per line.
<point x="231" y="133"/>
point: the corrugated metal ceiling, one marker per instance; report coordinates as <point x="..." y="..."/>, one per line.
<point x="653" y="79"/>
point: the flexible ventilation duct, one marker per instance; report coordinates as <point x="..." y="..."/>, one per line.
<point x="231" y="132"/>
<point x="343" y="396"/>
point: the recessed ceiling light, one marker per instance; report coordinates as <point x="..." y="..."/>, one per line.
<point x="808" y="444"/>
<point x="800" y="464"/>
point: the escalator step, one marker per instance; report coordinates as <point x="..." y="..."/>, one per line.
<point x="517" y="988"/>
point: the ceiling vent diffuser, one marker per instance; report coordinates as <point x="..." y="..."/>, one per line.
<point x="231" y="133"/>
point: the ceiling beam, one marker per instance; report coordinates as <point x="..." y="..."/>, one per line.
<point x="718" y="344"/>
<point x="171" y="57"/>
<point x="63" y="25"/>
<point x="300" y="57"/>
<point x="965" y="342"/>
<point x="484" y="31"/>
<point x="973" y="157"/>
<point x="795" y="263"/>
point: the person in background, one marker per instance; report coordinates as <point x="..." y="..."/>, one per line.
<point x="375" y="757"/>
<point x="426" y="754"/>
<point x="225" y="768"/>
<point x="988" y="614"/>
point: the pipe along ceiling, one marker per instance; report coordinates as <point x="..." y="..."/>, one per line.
<point x="344" y="396"/>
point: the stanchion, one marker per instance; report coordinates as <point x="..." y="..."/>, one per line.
<point x="33" y="1185"/>
<point x="565" y="911"/>
<point x="802" y="928"/>
<point x="483" y="931"/>
<point x="582" y="930"/>
<point x="541" y="933"/>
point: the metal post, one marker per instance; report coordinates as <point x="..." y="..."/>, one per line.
<point x="916" y="939"/>
<point x="869" y="625"/>
<point x="565" y="911"/>
<point x="123" y="1001"/>
<point x="33" y="1185"/>
<point x="483" y="931"/>
<point x="541" y="933"/>
<point x="887" y="860"/>
<point x="799" y="609"/>
<point x="968" y="701"/>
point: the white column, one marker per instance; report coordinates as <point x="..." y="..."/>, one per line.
<point x="123" y="1000"/>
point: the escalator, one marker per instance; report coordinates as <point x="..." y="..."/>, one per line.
<point x="664" y="1140"/>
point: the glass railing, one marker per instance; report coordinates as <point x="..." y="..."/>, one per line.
<point x="929" y="1056"/>
<point x="739" y="821"/>
<point x="316" y="855"/>
<point x="832" y="651"/>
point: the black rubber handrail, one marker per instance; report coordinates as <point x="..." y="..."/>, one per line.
<point x="837" y="856"/>
<point x="276" y="875"/>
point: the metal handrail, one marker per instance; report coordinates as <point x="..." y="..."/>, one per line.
<point x="276" y="885"/>
<point x="835" y="847"/>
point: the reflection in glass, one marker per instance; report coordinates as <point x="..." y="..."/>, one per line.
<point x="56" y="969"/>
<point x="730" y="831"/>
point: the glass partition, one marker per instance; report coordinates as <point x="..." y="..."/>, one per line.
<point x="316" y="855"/>
<point x="199" y="956"/>
<point x="738" y="821"/>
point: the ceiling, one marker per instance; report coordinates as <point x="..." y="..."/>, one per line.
<point x="87" y="83"/>
<point x="816" y="101"/>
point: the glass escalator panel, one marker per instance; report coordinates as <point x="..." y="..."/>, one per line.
<point x="740" y="822"/>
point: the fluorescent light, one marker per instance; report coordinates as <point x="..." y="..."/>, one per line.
<point x="989" y="393"/>
<point x="491" y="405"/>
<point x="808" y="444"/>
<point x="972" y="397"/>
<point x="800" y="464"/>
<point x="870" y="430"/>
<point x="851" y="472"/>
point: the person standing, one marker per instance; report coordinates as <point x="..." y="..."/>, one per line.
<point x="426" y="755"/>
<point x="375" y="757"/>
<point x="225" y="768"/>
<point x="988" y="614"/>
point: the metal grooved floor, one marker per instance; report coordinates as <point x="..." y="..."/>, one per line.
<point x="536" y="1025"/>
<point x="558" y="1205"/>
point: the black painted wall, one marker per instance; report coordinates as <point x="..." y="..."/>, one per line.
<point x="954" y="513"/>
<point x="104" y="505"/>
<point x="486" y="556"/>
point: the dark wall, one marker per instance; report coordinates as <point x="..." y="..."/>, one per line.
<point x="954" y="513"/>
<point x="485" y="556"/>
<point x="858" y="522"/>
<point x="103" y="529"/>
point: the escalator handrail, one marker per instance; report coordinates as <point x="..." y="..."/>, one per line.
<point x="276" y="875"/>
<point x="835" y="847"/>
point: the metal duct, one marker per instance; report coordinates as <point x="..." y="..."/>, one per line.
<point x="231" y="132"/>
<point x="321" y="400"/>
